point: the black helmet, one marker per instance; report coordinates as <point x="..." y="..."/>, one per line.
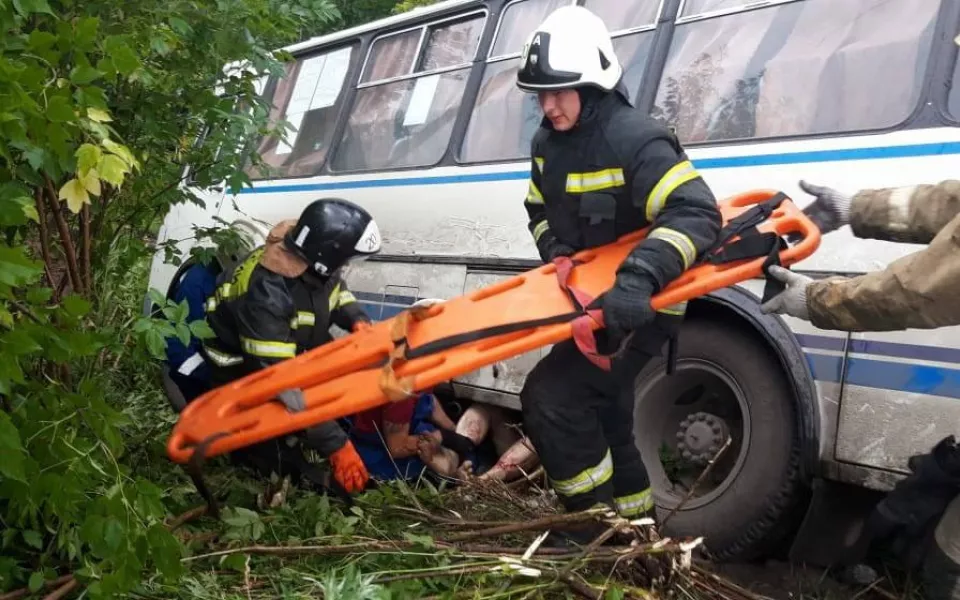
<point x="330" y="232"/>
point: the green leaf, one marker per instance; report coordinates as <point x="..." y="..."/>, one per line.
<point x="201" y="329"/>
<point x="165" y="551"/>
<point x="59" y="109"/>
<point x="85" y="74"/>
<point x="113" y="169"/>
<point x="235" y="562"/>
<point x="40" y="41"/>
<point x="39" y="295"/>
<point x="156" y="343"/>
<point x="88" y="157"/>
<point x="16" y="268"/>
<point x="99" y="115"/>
<point x="75" y="306"/>
<point x="183" y="333"/>
<point x="113" y="533"/>
<point x="17" y="210"/>
<point x="36" y="581"/>
<point x="75" y="193"/>
<point x="11" y="466"/>
<point x="25" y="7"/>
<point x="180" y="26"/>
<point x="33" y="538"/>
<point x="123" y="58"/>
<point x="91" y="182"/>
<point x="121" y="151"/>
<point x="85" y="33"/>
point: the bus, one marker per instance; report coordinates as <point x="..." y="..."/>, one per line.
<point x="417" y="118"/>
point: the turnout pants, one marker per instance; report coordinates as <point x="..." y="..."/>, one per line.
<point x="580" y="420"/>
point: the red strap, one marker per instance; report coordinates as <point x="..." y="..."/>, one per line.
<point x="583" y="335"/>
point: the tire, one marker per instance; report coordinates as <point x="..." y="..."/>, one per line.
<point x="759" y="505"/>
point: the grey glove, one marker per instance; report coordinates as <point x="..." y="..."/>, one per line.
<point x="552" y="249"/>
<point x="626" y="307"/>
<point x="831" y="209"/>
<point x="791" y="301"/>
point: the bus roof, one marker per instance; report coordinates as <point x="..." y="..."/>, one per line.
<point x="383" y="23"/>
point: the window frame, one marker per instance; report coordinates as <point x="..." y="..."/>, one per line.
<point x="491" y="59"/>
<point x="344" y="120"/>
<point x="913" y="120"/>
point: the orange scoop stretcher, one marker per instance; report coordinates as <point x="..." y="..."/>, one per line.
<point x="425" y="346"/>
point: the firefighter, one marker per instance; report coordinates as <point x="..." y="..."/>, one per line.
<point x="280" y="301"/>
<point x="918" y="291"/>
<point x="600" y="169"/>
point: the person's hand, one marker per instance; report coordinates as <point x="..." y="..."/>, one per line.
<point x="359" y="326"/>
<point x="830" y="210"/>
<point x="791" y="301"/>
<point x="348" y="468"/>
<point x="626" y="307"/>
<point x="556" y="250"/>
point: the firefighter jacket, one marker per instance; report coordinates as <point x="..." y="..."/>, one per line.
<point x="615" y="172"/>
<point x="917" y="291"/>
<point x="270" y="308"/>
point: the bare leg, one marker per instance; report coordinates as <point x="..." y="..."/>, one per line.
<point x="475" y="422"/>
<point x="519" y="458"/>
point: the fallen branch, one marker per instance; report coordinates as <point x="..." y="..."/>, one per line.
<point x="726" y="584"/>
<point x="581" y="588"/>
<point x="442" y="572"/>
<point x="362" y="548"/>
<point x="63" y="590"/>
<point x="193" y="513"/>
<point x="536" y="525"/>
<point x="703" y="474"/>
<point x="22" y="592"/>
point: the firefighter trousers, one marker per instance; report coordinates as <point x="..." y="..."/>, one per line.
<point x="580" y="419"/>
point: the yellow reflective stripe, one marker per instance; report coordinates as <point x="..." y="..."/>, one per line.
<point x="539" y="161"/>
<point x="241" y="277"/>
<point x="533" y="194"/>
<point x="541" y="228"/>
<point x="268" y="349"/>
<point x="634" y="504"/>
<point x="334" y="298"/>
<point x="303" y="318"/>
<point x="680" y="174"/>
<point x="587" y="480"/>
<point x="222" y="359"/>
<point x="579" y="183"/>
<point x="211" y="304"/>
<point x="677" y="310"/>
<point x="346" y="297"/>
<point x="680" y="241"/>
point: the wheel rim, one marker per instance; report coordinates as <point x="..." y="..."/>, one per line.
<point x="683" y="420"/>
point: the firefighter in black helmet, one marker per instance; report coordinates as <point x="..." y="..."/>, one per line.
<point x="601" y="169"/>
<point x="279" y="302"/>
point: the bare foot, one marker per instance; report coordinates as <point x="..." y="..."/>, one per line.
<point x="427" y="448"/>
<point x="465" y="471"/>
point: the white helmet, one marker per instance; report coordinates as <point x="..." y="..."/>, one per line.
<point x="571" y="48"/>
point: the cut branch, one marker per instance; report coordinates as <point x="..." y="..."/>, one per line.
<point x="535" y="525"/>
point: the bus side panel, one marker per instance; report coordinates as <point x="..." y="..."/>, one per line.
<point x="900" y="397"/>
<point x="384" y="289"/>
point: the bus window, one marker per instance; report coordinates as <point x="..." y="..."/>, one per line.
<point x="309" y="98"/>
<point x="504" y="118"/>
<point x="804" y="67"/>
<point x="701" y="7"/>
<point x="518" y="20"/>
<point x="404" y="111"/>
<point x="621" y="15"/>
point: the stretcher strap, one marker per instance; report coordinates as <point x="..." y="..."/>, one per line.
<point x="590" y="319"/>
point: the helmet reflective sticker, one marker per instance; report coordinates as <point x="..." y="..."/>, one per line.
<point x="304" y="232"/>
<point x="369" y="241"/>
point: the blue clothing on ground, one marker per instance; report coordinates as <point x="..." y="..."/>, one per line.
<point x="377" y="458"/>
<point x="197" y="284"/>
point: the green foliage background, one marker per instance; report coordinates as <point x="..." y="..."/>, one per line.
<point x="102" y="104"/>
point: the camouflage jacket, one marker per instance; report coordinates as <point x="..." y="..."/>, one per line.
<point x="920" y="290"/>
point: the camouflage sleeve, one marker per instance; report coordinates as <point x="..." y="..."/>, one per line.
<point x="913" y="214"/>
<point x="917" y="291"/>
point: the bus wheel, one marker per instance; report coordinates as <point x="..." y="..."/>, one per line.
<point x="728" y="385"/>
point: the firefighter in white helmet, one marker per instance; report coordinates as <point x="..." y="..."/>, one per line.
<point x="600" y="169"/>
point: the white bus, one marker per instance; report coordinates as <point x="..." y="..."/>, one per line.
<point x="417" y="118"/>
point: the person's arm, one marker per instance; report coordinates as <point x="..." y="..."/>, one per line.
<point x="547" y="243"/>
<point x="684" y="222"/>
<point x="263" y="322"/>
<point x="396" y="428"/>
<point x="916" y="291"/>
<point x="345" y="311"/>
<point x="913" y="214"/>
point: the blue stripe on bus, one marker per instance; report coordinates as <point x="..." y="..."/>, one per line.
<point x="898" y="377"/>
<point x="729" y="162"/>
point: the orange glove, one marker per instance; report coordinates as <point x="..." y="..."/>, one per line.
<point x="348" y="468"/>
<point x="361" y="326"/>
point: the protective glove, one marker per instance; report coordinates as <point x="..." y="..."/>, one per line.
<point x="348" y="468"/>
<point x="626" y="307"/>
<point x="551" y="249"/>
<point x="831" y="209"/>
<point x="361" y="326"/>
<point x="791" y="301"/>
